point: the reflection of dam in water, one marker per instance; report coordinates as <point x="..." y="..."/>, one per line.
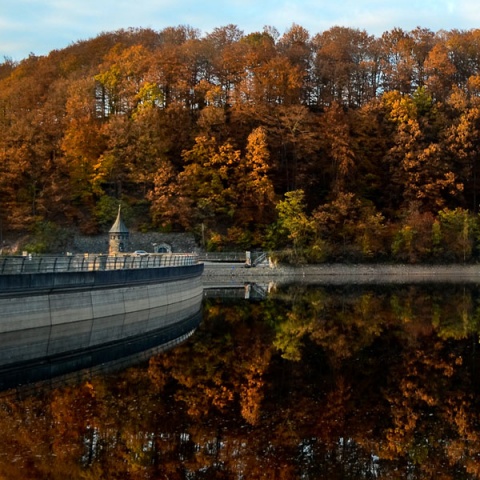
<point x="56" y="322"/>
<point x="245" y="290"/>
<point x="118" y="354"/>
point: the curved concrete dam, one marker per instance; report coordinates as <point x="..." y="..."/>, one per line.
<point x="45" y="316"/>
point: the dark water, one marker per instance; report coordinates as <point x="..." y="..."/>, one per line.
<point x="311" y="382"/>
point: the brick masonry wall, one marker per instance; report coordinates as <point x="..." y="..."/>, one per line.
<point x="180" y="242"/>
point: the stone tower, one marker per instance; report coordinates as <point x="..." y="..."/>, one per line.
<point x="118" y="236"/>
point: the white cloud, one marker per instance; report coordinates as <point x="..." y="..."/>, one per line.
<point x="40" y="26"/>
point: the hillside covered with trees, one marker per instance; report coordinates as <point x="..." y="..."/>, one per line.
<point x="337" y="146"/>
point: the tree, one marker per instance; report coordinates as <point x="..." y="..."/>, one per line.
<point x="415" y="239"/>
<point x="82" y="144"/>
<point x="253" y="187"/>
<point x="33" y="121"/>
<point x="293" y="226"/>
<point x="351" y="227"/>
<point x="418" y="162"/>
<point x="439" y="71"/>
<point x="462" y="142"/>
<point x="346" y="67"/>
<point x="292" y="134"/>
<point x="463" y="52"/>
<point x="277" y="82"/>
<point x="336" y="135"/>
<point x="228" y="66"/>
<point x="397" y="62"/>
<point x="458" y="231"/>
<point x="169" y="205"/>
<point x="424" y="41"/>
<point x="120" y="80"/>
<point x="295" y="45"/>
<point x="201" y="193"/>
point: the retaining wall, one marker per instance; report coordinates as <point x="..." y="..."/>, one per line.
<point x="180" y="242"/>
<point x="46" y="299"/>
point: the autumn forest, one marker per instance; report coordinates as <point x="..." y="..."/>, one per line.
<point x="336" y="145"/>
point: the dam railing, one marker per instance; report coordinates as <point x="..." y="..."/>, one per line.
<point x="91" y="262"/>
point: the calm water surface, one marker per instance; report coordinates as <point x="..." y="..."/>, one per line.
<point x="310" y="382"/>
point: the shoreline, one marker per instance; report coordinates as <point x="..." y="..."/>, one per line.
<point x="341" y="273"/>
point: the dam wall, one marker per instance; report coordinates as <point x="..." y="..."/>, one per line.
<point x="53" y="298"/>
<point x="47" y="314"/>
<point x="41" y="329"/>
<point x="38" y="282"/>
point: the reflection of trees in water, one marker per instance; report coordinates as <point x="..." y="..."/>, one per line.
<point x="340" y="382"/>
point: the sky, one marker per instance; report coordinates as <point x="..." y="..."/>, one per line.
<point x="40" y="26"/>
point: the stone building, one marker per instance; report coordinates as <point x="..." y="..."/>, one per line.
<point x="118" y="236"/>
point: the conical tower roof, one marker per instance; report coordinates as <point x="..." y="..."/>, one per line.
<point x="119" y="226"/>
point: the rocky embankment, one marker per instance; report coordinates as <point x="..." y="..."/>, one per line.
<point x="341" y="273"/>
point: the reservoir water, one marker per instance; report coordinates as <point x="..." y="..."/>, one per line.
<point x="292" y="381"/>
